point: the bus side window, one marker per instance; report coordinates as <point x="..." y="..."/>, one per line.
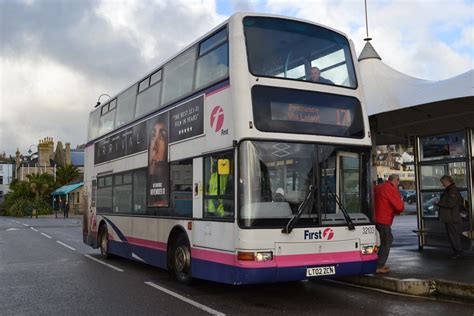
<point x="219" y="186"/>
<point x="181" y="188"/>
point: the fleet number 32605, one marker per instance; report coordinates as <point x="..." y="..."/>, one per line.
<point x="368" y="230"/>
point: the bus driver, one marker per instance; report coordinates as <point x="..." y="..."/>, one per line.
<point x="316" y="76"/>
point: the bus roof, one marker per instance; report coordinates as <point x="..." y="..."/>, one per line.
<point x="237" y="15"/>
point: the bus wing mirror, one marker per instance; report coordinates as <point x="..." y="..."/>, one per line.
<point x="223" y="167"/>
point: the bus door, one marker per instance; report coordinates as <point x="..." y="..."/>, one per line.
<point x="348" y="181"/>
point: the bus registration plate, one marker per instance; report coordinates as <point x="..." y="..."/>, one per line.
<point x="329" y="270"/>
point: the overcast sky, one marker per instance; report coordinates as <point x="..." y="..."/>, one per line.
<point x="57" y="57"/>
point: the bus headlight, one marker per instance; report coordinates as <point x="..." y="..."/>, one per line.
<point x="255" y="256"/>
<point x="264" y="256"/>
<point x="368" y="249"/>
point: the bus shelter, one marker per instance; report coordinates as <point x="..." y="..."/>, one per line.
<point x="437" y="119"/>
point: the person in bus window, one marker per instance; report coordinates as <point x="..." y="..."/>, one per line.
<point x="217" y="186"/>
<point x="316" y="76"/>
<point x="158" y="163"/>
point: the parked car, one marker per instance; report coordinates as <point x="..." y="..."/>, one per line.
<point x="430" y="207"/>
<point x="408" y="196"/>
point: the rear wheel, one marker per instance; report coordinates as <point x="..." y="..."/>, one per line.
<point x="181" y="260"/>
<point x="104" y="242"/>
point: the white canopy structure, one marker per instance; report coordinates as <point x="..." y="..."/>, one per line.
<point x="400" y="106"/>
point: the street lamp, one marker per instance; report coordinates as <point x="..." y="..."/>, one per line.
<point x="98" y="99"/>
<point x="29" y="149"/>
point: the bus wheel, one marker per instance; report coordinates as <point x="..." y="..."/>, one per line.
<point x="182" y="260"/>
<point x="104" y="242"/>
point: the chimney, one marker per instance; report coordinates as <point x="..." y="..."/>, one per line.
<point x="17" y="162"/>
<point x="43" y="152"/>
<point x="51" y="147"/>
<point x="68" y="153"/>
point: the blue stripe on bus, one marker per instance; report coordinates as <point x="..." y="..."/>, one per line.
<point x="116" y="229"/>
<point x="224" y="273"/>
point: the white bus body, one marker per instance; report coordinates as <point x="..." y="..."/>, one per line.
<point x="203" y="178"/>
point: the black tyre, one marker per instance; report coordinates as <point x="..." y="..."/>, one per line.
<point x="411" y="200"/>
<point x="104" y="242"/>
<point x="181" y="260"/>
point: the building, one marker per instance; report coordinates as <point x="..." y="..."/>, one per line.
<point x="74" y="193"/>
<point x="6" y="176"/>
<point x="47" y="160"/>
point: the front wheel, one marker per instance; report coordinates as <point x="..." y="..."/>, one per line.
<point x="104" y="242"/>
<point x="182" y="260"/>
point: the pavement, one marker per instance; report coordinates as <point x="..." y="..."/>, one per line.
<point x="430" y="272"/>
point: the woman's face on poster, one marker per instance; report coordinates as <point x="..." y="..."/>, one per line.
<point x="158" y="143"/>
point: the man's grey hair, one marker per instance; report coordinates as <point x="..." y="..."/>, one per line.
<point x="446" y="178"/>
<point x="393" y="177"/>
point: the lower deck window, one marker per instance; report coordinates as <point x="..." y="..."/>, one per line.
<point x="219" y="186"/>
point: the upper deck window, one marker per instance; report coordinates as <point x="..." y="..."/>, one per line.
<point x="213" y="62"/>
<point x="300" y="51"/>
<point x="178" y="76"/>
<point x="126" y="106"/>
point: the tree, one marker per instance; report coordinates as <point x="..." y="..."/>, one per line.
<point x="66" y="174"/>
<point x="41" y="185"/>
<point x="59" y="155"/>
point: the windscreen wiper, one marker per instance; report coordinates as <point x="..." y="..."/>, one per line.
<point x="348" y="219"/>
<point x="294" y="219"/>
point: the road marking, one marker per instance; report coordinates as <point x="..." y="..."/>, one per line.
<point x="10" y="229"/>
<point x="63" y="244"/>
<point x="47" y="236"/>
<point x="33" y="229"/>
<point x="105" y="264"/>
<point x="185" y="299"/>
<point x="24" y="224"/>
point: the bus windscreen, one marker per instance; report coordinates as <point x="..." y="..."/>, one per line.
<point x="295" y="50"/>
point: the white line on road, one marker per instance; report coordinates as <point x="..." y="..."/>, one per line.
<point x="105" y="264"/>
<point x="33" y="229"/>
<point x="185" y="299"/>
<point x="24" y="224"/>
<point x="47" y="236"/>
<point x="63" y="244"/>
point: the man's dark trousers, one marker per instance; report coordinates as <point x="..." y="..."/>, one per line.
<point x="386" y="240"/>
<point x="454" y="237"/>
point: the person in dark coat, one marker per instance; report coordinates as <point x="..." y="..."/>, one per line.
<point x="66" y="209"/>
<point x="450" y="204"/>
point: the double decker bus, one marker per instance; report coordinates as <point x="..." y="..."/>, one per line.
<point x="243" y="159"/>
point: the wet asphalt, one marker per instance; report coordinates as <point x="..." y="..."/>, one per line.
<point x="53" y="276"/>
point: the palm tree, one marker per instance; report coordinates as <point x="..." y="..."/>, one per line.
<point x="41" y="184"/>
<point x="66" y="174"/>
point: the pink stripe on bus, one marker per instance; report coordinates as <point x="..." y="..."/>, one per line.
<point x="216" y="91"/>
<point x="317" y="258"/>
<point x="214" y="256"/>
<point x="147" y="243"/>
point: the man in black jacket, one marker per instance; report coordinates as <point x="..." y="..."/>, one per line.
<point x="450" y="204"/>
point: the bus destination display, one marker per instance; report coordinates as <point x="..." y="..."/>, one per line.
<point x="303" y="113"/>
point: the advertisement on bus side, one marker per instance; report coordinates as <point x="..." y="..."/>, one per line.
<point x="158" y="167"/>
